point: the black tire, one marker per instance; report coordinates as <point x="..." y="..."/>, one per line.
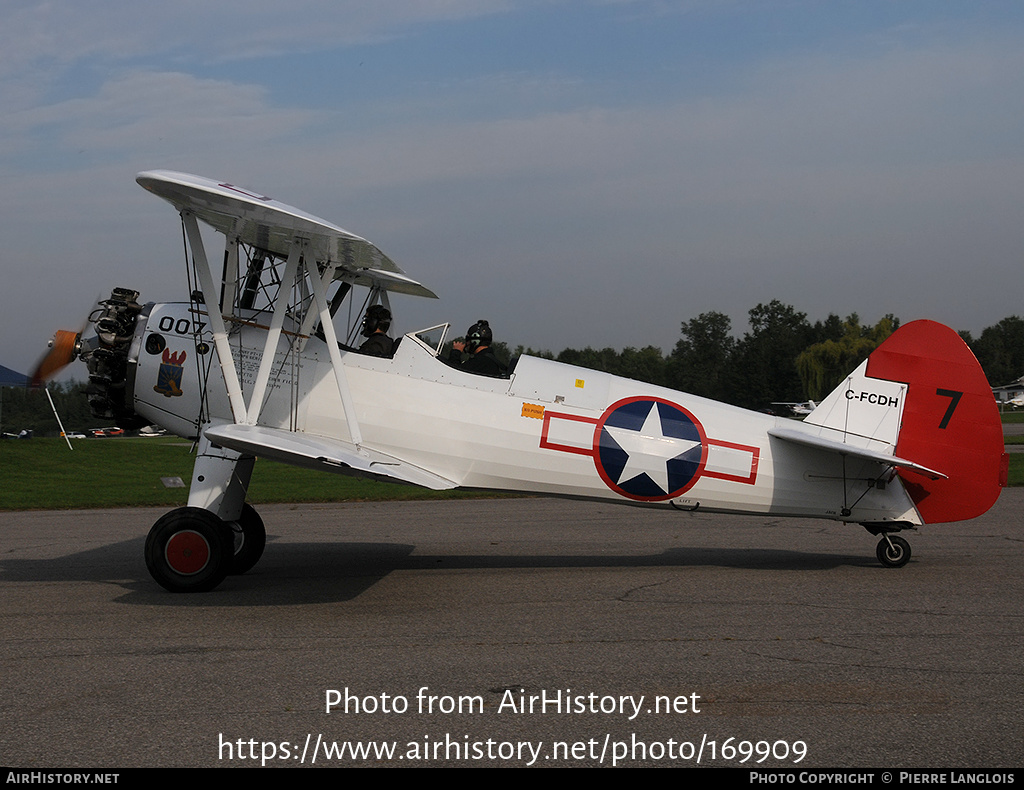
<point x="250" y="539"/>
<point x="189" y="550"/>
<point x="895" y="556"/>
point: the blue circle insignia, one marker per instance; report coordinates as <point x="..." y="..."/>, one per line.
<point x="649" y="449"/>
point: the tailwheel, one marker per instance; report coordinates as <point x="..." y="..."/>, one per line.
<point x="893" y="551"/>
<point x="250" y="538"/>
<point x="189" y="550"/>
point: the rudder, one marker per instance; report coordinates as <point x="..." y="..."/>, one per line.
<point x="950" y="421"/>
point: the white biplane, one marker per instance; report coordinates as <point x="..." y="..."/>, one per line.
<point x="252" y="366"/>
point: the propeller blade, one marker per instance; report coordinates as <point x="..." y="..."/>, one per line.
<point x="63" y="349"/>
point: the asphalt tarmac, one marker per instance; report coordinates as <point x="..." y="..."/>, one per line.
<point x="778" y="639"/>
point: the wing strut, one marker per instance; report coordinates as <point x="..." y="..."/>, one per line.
<point x="324" y="306"/>
<point x="273" y="334"/>
<point x="242" y="414"/>
<point x="220" y="334"/>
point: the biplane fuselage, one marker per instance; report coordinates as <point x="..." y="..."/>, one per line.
<point x="252" y="366"/>
<point x="546" y="428"/>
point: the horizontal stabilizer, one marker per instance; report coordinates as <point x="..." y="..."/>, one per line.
<point x="810" y="440"/>
<point x="319" y="452"/>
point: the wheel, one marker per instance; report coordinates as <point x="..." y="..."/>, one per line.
<point x="250" y="538"/>
<point x="189" y="550"/>
<point x="893" y="556"/>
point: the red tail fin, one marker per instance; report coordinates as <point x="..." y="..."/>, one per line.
<point x="950" y="421"/>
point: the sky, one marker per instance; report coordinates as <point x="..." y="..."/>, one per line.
<point x="578" y="173"/>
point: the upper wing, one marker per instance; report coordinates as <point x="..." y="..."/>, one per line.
<point x="270" y="225"/>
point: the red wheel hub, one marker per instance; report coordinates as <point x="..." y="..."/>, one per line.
<point x="187" y="552"/>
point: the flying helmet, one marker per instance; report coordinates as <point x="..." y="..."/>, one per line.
<point x="478" y="335"/>
<point x="377" y="317"/>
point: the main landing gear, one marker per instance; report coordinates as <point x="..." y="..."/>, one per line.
<point x="892" y="550"/>
<point x="192" y="550"/>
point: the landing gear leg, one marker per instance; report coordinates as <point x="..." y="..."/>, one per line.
<point x="193" y="548"/>
<point x="220" y="479"/>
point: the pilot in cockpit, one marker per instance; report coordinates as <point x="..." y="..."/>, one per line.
<point x="477" y="345"/>
<point x="376" y="323"/>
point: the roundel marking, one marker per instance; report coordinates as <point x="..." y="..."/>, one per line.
<point x="649" y="449"/>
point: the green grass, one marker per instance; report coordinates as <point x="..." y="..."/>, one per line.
<point x="1016" y="476"/>
<point x="1011" y="417"/>
<point x="44" y="473"/>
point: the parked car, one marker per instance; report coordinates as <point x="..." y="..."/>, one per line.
<point x="99" y="433"/>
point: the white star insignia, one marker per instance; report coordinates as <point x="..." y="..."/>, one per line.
<point x="649" y="450"/>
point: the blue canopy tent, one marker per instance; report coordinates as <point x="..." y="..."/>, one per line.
<point x="12" y="378"/>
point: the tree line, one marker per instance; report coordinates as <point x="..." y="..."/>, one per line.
<point x="25" y="409"/>
<point x="782" y="357"/>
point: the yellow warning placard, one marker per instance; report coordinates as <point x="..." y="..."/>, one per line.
<point x="534" y="410"/>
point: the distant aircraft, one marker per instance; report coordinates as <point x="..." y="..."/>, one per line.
<point x="252" y="366"/>
<point x="798" y="409"/>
